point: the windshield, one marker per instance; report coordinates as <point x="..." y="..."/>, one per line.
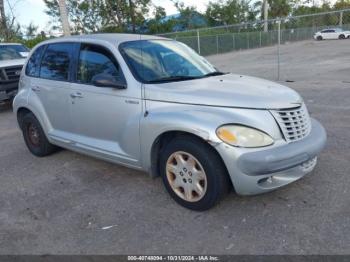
<point x="156" y="61"/>
<point x="9" y="52"/>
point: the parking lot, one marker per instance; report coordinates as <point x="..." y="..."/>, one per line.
<point x="73" y="204"/>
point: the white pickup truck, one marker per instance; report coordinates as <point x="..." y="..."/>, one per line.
<point x="12" y="58"/>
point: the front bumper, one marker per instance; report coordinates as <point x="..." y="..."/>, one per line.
<point x="255" y="171"/>
<point x="8" y="89"/>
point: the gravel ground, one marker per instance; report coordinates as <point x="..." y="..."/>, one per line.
<point x="73" y="204"/>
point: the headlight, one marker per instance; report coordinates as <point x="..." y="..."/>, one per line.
<point x="243" y="136"/>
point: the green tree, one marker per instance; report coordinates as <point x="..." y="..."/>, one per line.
<point x="230" y="12"/>
<point x="188" y="15"/>
<point x="342" y="4"/>
<point x="158" y="24"/>
<point x="279" y="8"/>
<point x="30" y="30"/>
<point x="124" y="13"/>
<point x="84" y="16"/>
<point x="100" y="15"/>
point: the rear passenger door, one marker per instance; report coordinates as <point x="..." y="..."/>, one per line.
<point x="329" y="34"/>
<point x="52" y="87"/>
<point x="105" y="119"/>
<point x="333" y="34"/>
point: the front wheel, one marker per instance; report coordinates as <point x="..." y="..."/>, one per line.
<point x="193" y="173"/>
<point x="341" y="37"/>
<point x="319" y="38"/>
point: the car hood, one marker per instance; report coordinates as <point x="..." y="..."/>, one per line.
<point x="12" y="62"/>
<point x="228" y="90"/>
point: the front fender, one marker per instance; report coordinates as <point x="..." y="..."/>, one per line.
<point x="201" y="121"/>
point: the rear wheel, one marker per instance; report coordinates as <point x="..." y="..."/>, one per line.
<point x="342" y="37"/>
<point x="193" y="173"/>
<point x="35" y="137"/>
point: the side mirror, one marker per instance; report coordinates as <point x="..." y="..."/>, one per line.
<point x="106" y="80"/>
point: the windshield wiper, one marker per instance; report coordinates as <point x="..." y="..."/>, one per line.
<point x="184" y="78"/>
<point x="216" y="73"/>
<point x="172" y="79"/>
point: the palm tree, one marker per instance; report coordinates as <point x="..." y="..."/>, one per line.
<point x="64" y="17"/>
<point x="265" y="15"/>
<point x="3" y="24"/>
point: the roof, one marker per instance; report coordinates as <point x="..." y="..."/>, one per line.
<point x="10" y="44"/>
<point x="113" y="38"/>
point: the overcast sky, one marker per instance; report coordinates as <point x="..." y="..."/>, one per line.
<point x="27" y="11"/>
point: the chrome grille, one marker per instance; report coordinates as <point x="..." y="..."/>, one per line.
<point x="13" y="73"/>
<point x="294" y="123"/>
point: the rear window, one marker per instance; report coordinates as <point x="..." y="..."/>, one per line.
<point x="55" y="64"/>
<point x="33" y="64"/>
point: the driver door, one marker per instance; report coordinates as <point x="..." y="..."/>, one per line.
<point x="105" y="119"/>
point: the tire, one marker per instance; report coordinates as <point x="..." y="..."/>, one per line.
<point x="341" y="37"/>
<point x="215" y="185"/>
<point x="319" y="38"/>
<point x="35" y="137"/>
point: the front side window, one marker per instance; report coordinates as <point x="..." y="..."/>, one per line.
<point x="33" y="64"/>
<point x="95" y="60"/>
<point x="9" y="52"/>
<point x="56" y="61"/>
<point x="156" y="61"/>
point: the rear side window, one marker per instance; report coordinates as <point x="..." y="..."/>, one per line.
<point x="33" y="64"/>
<point x="95" y="60"/>
<point x="55" y="64"/>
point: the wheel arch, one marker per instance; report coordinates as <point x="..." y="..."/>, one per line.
<point x="166" y="137"/>
<point x="21" y="112"/>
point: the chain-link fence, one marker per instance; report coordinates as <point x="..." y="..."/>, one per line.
<point x="222" y="39"/>
<point x="208" y="41"/>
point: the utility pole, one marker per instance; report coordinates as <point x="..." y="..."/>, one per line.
<point x="341" y="19"/>
<point x="266" y="15"/>
<point x="279" y="51"/>
<point x="198" y="42"/>
<point x="64" y="17"/>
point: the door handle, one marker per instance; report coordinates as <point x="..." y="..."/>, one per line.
<point x="35" y="88"/>
<point x="76" y="95"/>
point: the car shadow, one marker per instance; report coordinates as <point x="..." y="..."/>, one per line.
<point x="5" y="106"/>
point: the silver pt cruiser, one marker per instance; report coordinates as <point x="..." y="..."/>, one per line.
<point x="154" y="104"/>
